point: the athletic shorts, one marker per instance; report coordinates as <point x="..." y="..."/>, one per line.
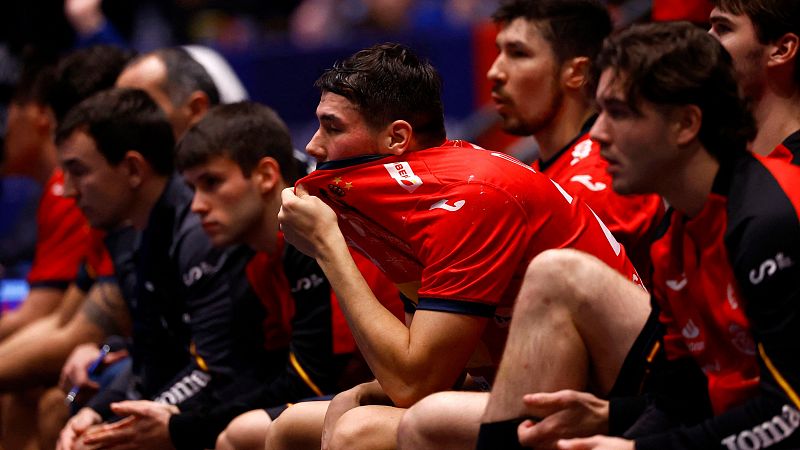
<point x="644" y="357"/>
<point x="276" y="411"/>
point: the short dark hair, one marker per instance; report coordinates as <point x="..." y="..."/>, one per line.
<point x="120" y="120"/>
<point x="245" y="132"/>
<point x="771" y="19"/>
<point x="677" y="63"/>
<point x="84" y="72"/>
<point x="572" y="27"/>
<point x="185" y="75"/>
<point x="389" y="82"/>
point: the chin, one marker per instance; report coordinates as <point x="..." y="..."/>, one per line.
<point x="622" y="188"/>
<point x="221" y="241"/>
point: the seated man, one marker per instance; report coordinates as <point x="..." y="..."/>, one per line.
<point x="196" y="321"/>
<point x="453" y="225"/>
<point x="540" y="86"/>
<point x="763" y="37"/>
<point x="672" y="122"/>
<point x="238" y="159"/>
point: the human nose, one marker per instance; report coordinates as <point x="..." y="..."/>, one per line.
<point x="70" y="188"/>
<point x="315" y="147"/>
<point x="199" y="203"/>
<point x="496" y="72"/>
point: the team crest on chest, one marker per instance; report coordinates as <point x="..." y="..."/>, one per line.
<point x="339" y="187"/>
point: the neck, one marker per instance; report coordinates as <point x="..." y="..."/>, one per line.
<point x="565" y="127"/>
<point x="777" y="115"/>
<point x="264" y="237"/>
<point x="688" y="186"/>
<point x="147" y="196"/>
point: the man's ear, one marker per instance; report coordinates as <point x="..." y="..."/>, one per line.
<point x="398" y="137"/>
<point x="198" y="105"/>
<point x="266" y="174"/>
<point x="135" y="167"/>
<point x="784" y="51"/>
<point x="687" y="122"/>
<point x="575" y="72"/>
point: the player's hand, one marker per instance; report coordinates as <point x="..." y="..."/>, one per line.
<point x="76" y="427"/>
<point x="308" y="223"/>
<point x="566" y="414"/>
<point x="596" y="443"/>
<point x="75" y="370"/>
<point x="146" y="425"/>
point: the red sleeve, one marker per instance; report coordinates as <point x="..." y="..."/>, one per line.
<point x="62" y="238"/>
<point x="98" y="261"/>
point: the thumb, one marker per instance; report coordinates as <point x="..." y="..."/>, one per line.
<point x="574" y="444"/>
<point x="300" y="190"/>
<point x="127" y="408"/>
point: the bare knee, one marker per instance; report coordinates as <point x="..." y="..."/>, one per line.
<point x="563" y="277"/>
<point x="224" y="442"/>
<point x="299" y="427"/>
<point x="245" y="432"/>
<point x="350" y="432"/>
<point x="366" y="428"/>
<point x="421" y="425"/>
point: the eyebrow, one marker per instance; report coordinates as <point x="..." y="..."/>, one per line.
<point x="605" y="102"/>
<point x="330" y="118"/>
<point x="720" y="18"/>
<point x="70" y="162"/>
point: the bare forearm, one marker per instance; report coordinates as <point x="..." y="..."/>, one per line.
<point x="34" y="356"/>
<point x="39" y="303"/>
<point x="37" y="353"/>
<point x="382" y="338"/>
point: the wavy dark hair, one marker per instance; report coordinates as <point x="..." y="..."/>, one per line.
<point x="245" y="132"/>
<point x="677" y="63"/>
<point x="388" y="82"/>
<point x="120" y="120"/>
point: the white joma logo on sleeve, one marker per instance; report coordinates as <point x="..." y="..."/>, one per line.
<point x="766" y="434"/>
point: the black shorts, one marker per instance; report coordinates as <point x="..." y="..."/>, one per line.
<point x="644" y="357"/>
<point x="276" y="411"/>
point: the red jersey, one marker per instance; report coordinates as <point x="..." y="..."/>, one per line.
<point x="692" y="263"/>
<point x="580" y="170"/>
<point x="62" y="237"/>
<point x="455" y="227"/>
<point x="279" y="296"/>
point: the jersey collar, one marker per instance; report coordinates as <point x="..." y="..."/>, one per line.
<point x="543" y="165"/>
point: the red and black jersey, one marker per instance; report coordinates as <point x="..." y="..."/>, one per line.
<point x="726" y="282"/>
<point x="61" y="238"/>
<point x="789" y="149"/>
<point x="633" y="219"/>
<point x="455" y="227"/>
